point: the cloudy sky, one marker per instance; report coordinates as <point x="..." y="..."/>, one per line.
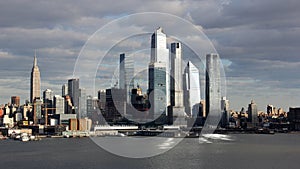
<point x="258" y="39"/>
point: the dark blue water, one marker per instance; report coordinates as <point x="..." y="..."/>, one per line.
<point x="243" y="152"/>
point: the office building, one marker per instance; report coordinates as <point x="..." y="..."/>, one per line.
<point x="64" y="90"/>
<point x="115" y="104"/>
<point x="102" y="99"/>
<point x="74" y="93"/>
<point x="294" y="118"/>
<point x="191" y="89"/>
<point x="35" y="81"/>
<point x="225" y="112"/>
<point x="213" y="85"/>
<point x="82" y="104"/>
<point x="59" y="104"/>
<point x="69" y="108"/>
<point x="159" y="75"/>
<point x="37" y="110"/>
<point x="160" y="54"/>
<point x="48" y="100"/>
<point x="176" y="85"/>
<point x="252" y="113"/>
<point x="126" y="74"/>
<point x="157" y="90"/>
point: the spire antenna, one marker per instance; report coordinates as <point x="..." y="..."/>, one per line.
<point x="35" y="60"/>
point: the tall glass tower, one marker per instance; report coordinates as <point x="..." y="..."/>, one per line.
<point x="126" y="74"/>
<point x="192" y="89"/>
<point x="160" y="54"/>
<point x="159" y="74"/>
<point x="213" y="84"/>
<point x="252" y="113"/>
<point x="176" y="80"/>
<point x="35" y="81"/>
<point x="157" y="89"/>
<point x="74" y="93"/>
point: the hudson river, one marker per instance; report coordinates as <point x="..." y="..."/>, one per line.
<point x="237" y="151"/>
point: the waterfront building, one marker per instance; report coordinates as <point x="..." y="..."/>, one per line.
<point x="213" y="84"/>
<point x="35" y="81"/>
<point x="191" y="89"/>
<point x="294" y="118"/>
<point x="85" y="124"/>
<point x="115" y="104"/>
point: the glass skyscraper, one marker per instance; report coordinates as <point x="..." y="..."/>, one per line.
<point x="126" y="75"/>
<point x="176" y="85"/>
<point x="160" y="54"/>
<point x="157" y="89"/>
<point x="59" y="104"/>
<point x="213" y="84"/>
<point x="74" y="93"/>
<point x="252" y="113"/>
<point x="159" y="74"/>
<point x="192" y="89"/>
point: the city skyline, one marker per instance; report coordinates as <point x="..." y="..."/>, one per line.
<point x="260" y="51"/>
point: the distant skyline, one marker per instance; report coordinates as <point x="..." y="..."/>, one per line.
<point x="258" y="42"/>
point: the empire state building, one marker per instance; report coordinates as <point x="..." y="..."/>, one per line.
<point x="35" y="81"/>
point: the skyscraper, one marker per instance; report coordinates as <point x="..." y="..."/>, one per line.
<point x="213" y="84"/>
<point x="225" y="111"/>
<point x="252" y="113"/>
<point x="160" y="54"/>
<point x="176" y="80"/>
<point x="82" y="103"/>
<point x="176" y="75"/>
<point x="64" y="90"/>
<point x="159" y="74"/>
<point x="157" y="89"/>
<point x="47" y="95"/>
<point x="59" y="104"/>
<point x="126" y="74"/>
<point x="48" y="99"/>
<point x="35" y="81"/>
<point x="192" y="89"/>
<point x="74" y="93"/>
<point x="37" y="110"/>
<point x="102" y="99"/>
